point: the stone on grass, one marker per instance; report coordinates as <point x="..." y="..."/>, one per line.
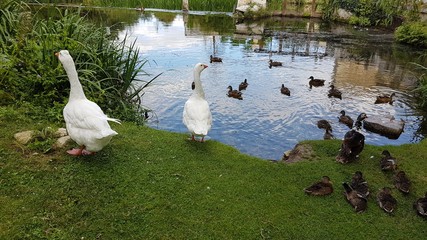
<point x="61" y="132"/>
<point x="61" y="142"/>
<point x="24" y="137"/>
<point x="300" y="152"/>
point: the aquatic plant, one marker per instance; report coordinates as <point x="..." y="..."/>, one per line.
<point x="110" y="71"/>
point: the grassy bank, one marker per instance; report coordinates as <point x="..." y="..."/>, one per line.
<point x="150" y="184"/>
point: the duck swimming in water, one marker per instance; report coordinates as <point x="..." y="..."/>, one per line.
<point x="215" y="59"/>
<point x="385" y="99"/>
<point x="315" y="82"/>
<point x="243" y="85"/>
<point x="274" y="63"/>
<point x="333" y="92"/>
<point x="234" y="93"/>
<point x="345" y="119"/>
<point x="285" y="91"/>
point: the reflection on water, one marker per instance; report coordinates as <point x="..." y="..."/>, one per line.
<point x="266" y="123"/>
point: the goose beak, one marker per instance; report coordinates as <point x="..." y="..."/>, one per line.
<point x="57" y="54"/>
<point x="205" y="65"/>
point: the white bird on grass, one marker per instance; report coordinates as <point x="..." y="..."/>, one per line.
<point x="86" y="123"/>
<point x="197" y="116"/>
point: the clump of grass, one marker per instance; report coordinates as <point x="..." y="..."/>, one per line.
<point x="110" y="71"/>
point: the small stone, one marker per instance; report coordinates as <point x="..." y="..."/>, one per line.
<point x="61" y="132"/>
<point x="61" y="142"/>
<point x="24" y="137"/>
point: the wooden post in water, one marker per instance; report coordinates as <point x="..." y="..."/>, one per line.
<point x="185" y="6"/>
<point x="284" y="7"/>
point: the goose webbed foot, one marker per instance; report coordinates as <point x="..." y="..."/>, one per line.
<point x="76" y="151"/>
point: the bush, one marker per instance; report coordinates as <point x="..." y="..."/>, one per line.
<point x="29" y="71"/>
<point x="414" y="33"/>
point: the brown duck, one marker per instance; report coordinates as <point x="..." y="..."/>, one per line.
<point x="385" y="99"/>
<point x="315" y="82"/>
<point x="284" y="90"/>
<point x="274" y="63"/>
<point x="401" y="182"/>
<point x="345" y="119"/>
<point x="324" y="124"/>
<point x="359" y="184"/>
<point x="324" y="187"/>
<point x="351" y="146"/>
<point x="387" y="162"/>
<point x="333" y="92"/>
<point x="385" y="200"/>
<point x="359" y="120"/>
<point x="243" y="85"/>
<point x="215" y="59"/>
<point x="328" y="135"/>
<point x="421" y="206"/>
<point x="234" y="93"/>
<point x="359" y="202"/>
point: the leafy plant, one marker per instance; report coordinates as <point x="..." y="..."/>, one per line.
<point x="109" y="71"/>
<point x="414" y="33"/>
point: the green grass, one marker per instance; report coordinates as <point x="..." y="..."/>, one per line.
<point x="151" y="184"/>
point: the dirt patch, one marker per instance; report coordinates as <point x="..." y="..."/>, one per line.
<point x="298" y="153"/>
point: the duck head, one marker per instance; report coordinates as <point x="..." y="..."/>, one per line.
<point x="326" y="179"/>
<point x="357" y="175"/>
<point x="362" y="117"/>
<point x="386" y="153"/>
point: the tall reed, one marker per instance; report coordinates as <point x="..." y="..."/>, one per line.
<point x="110" y="71"/>
<point x="197" y="5"/>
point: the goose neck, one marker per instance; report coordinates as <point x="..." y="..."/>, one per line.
<point x="76" y="89"/>
<point x="198" y="89"/>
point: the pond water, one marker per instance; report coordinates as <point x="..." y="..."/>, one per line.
<point x="362" y="63"/>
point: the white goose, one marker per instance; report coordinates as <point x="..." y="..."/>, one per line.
<point x="86" y="123"/>
<point x="197" y="115"/>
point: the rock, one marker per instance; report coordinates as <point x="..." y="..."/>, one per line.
<point x="24" y="137"/>
<point x="343" y="14"/>
<point x="250" y="5"/>
<point x="300" y="152"/>
<point x="385" y="126"/>
<point x="61" y="132"/>
<point x="61" y="142"/>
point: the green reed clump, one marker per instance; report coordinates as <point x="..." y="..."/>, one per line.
<point x="29" y="72"/>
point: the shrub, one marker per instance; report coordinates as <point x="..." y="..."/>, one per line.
<point x="414" y="33"/>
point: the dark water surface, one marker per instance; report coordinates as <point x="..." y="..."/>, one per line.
<point x="362" y="63"/>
